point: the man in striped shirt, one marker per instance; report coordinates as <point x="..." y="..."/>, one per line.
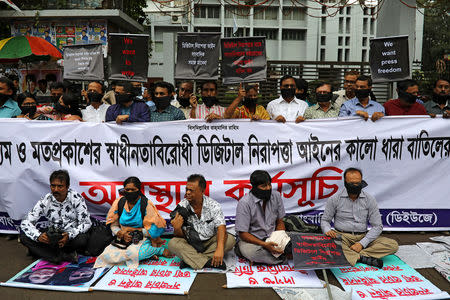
<point x="351" y="210"/>
<point x="210" y="109"/>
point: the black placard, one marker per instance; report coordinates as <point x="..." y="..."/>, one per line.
<point x="389" y="59"/>
<point x="83" y="62"/>
<point x="129" y="56"/>
<point x="243" y="60"/>
<point x="197" y="56"/>
<point x="316" y="251"/>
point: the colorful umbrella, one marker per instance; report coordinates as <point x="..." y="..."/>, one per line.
<point x="27" y="49"/>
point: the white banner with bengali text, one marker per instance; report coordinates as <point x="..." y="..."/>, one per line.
<point x="405" y="161"/>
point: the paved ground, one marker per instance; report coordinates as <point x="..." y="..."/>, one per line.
<point x="206" y="286"/>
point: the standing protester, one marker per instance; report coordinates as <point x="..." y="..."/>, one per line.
<point x="348" y="92"/>
<point x="8" y="107"/>
<point x="96" y="110"/>
<point x="440" y="101"/>
<point x="183" y="96"/>
<point x="42" y="88"/>
<point x="28" y="106"/>
<point x="325" y="107"/>
<point x="406" y="104"/>
<point x="163" y="110"/>
<point x="301" y="91"/>
<point x="250" y="109"/>
<point x="210" y="109"/>
<point x="287" y="107"/>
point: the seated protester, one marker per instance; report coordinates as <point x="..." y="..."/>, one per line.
<point x="406" y="104"/>
<point x="96" y="110"/>
<point x="127" y="109"/>
<point x="8" y="107"/>
<point x="351" y="210"/>
<point x="42" y="88"/>
<point x="207" y="219"/>
<point x="163" y="110"/>
<point x="362" y="105"/>
<point x="301" y="90"/>
<point x="249" y="108"/>
<point x="182" y="98"/>
<point x="68" y="223"/>
<point x="287" y="107"/>
<point x="325" y="107"/>
<point x="348" y="92"/>
<point x="28" y="105"/>
<point x="258" y="214"/>
<point x="210" y="109"/>
<point x="137" y="226"/>
<point x="66" y="109"/>
<point x="440" y="101"/>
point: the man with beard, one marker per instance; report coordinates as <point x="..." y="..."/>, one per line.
<point x="8" y="107"/>
<point x="406" y="104"/>
<point x="210" y="109"/>
<point x="351" y="210"/>
<point x="250" y="109"/>
<point x="258" y="215"/>
<point x="287" y="107"/>
<point x="68" y="223"/>
<point x="348" y="92"/>
<point x="440" y="102"/>
<point x="127" y="109"/>
<point x="96" y="111"/>
<point x="183" y="96"/>
<point x="362" y="105"/>
<point x="324" y="108"/>
<point x="163" y="110"/>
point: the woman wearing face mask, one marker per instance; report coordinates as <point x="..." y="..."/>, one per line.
<point x="250" y="109"/>
<point x="66" y="109"/>
<point x="27" y="103"/>
<point x="129" y="216"/>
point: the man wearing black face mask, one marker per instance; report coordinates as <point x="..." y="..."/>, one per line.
<point x="210" y="109"/>
<point x="96" y="111"/>
<point x="362" y="105"/>
<point x="8" y="107"/>
<point x="406" y="104"/>
<point x="301" y="90"/>
<point x="324" y="108"/>
<point x="440" y="102"/>
<point x="126" y="109"/>
<point x="352" y="210"/>
<point x="287" y="107"/>
<point x="183" y="97"/>
<point x="163" y="110"/>
<point x="258" y="215"/>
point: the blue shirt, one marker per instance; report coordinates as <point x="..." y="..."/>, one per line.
<point x="350" y="107"/>
<point x="150" y="103"/>
<point x="125" y="110"/>
<point x="133" y="218"/>
<point x="9" y="109"/>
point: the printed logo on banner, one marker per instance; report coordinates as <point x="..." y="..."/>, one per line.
<point x="243" y="59"/>
<point x="129" y="57"/>
<point x="83" y="62"/>
<point x="389" y="59"/>
<point x="197" y="56"/>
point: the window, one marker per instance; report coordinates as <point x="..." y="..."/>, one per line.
<point x="324" y="25"/>
<point x="364" y="41"/>
<point x="372" y="26"/>
<point x="293" y="35"/>
<point x="271" y="13"/>
<point x="159" y="47"/>
<point x="347" y="25"/>
<point x="207" y="11"/>
<point x="339" y="55"/>
<point x="341" y="11"/>
<point x="365" y="11"/>
<point x="348" y="10"/>
<point x="270" y="34"/>
<point x="322" y="54"/>
<point x="341" y="25"/>
<point x="324" y="10"/>
<point x="364" y="55"/>
<point x="207" y="29"/>
<point x="347" y="41"/>
<point x="239" y="33"/>
<point x="365" y="26"/>
<point x="323" y="40"/>
<point x="294" y="13"/>
<point x="340" y="41"/>
<point x="347" y="54"/>
<point x="236" y="12"/>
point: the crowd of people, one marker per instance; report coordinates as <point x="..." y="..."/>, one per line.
<point x="131" y="102"/>
<point x="200" y="238"/>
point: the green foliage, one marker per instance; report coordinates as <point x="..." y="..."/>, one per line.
<point x="135" y="10"/>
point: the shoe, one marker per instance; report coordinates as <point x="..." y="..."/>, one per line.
<point x="71" y="257"/>
<point x="184" y="265"/>
<point x="371" y="261"/>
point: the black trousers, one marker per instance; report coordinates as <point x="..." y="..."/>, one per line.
<point x="50" y="253"/>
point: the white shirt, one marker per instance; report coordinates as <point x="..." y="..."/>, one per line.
<point x="90" y="114"/>
<point x="289" y="110"/>
<point x="342" y="97"/>
<point x="40" y="93"/>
